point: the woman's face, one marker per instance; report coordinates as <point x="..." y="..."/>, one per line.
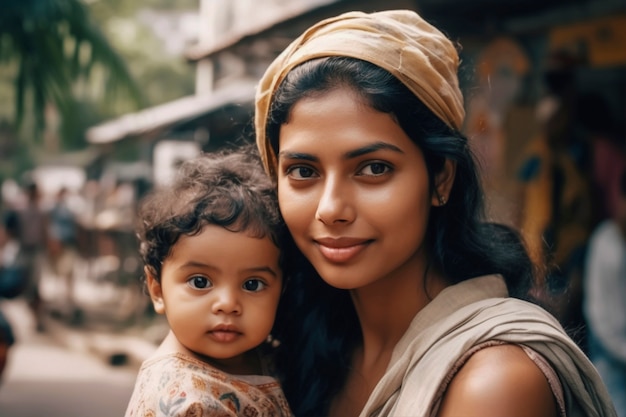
<point x="353" y="189"/>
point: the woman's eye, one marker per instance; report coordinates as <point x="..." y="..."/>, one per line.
<point x="254" y="285"/>
<point x="199" y="282"/>
<point x="375" y="169"/>
<point x="300" y="172"/>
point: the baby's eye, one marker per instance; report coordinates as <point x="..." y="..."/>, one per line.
<point x="254" y="285"/>
<point x="300" y="172"/>
<point x="375" y="169"/>
<point x="199" y="282"/>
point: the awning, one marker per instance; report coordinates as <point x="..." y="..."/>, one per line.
<point x="169" y="113"/>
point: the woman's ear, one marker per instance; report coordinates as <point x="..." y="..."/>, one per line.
<point x="155" y="290"/>
<point x="443" y="183"/>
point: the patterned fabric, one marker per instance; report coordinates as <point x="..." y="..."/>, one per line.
<point x="177" y="385"/>
<point x="399" y="41"/>
<point x="467" y="315"/>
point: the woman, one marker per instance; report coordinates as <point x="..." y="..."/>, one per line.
<point x="407" y="307"/>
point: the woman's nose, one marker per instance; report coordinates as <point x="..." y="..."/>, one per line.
<point x="226" y="302"/>
<point x="334" y="205"/>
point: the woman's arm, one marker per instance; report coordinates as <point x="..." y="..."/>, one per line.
<point x="499" y="381"/>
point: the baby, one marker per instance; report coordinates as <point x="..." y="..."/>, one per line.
<point x="210" y="243"/>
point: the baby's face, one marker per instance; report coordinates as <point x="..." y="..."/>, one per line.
<point x="219" y="291"/>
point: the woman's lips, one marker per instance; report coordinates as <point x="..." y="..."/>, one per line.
<point x="341" y="250"/>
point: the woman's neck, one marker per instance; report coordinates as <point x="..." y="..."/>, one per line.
<point x="386" y="308"/>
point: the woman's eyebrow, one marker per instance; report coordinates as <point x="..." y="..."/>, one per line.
<point x="297" y="155"/>
<point x="349" y="155"/>
<point x="372" y="148"/>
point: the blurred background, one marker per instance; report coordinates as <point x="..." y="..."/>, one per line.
<point x="102" y="100"/>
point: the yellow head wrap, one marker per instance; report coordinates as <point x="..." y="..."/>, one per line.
<point x="399" y="41"/>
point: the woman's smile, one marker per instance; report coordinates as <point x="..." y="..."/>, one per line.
<point x="342" y="250"/>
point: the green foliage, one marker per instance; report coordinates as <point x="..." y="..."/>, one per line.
<point x="103" y="10"/>
<point x="169" y="4"/>
<point x="53" y="44"/>
<point x="85" y="114"/>
<point x="71" y="54"/>
<point x="161" y="76"/>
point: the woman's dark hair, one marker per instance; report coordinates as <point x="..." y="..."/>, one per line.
<point x="228" y="188"/>
<point x="319" y="328"/>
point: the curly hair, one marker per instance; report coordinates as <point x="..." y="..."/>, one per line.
<point x="227" y="188"/>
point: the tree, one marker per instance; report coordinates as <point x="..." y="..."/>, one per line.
<point x="138" y="30"/>
<point x="53" y="45"/>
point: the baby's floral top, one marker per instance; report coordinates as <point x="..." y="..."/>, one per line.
<point x="177" y="385"/>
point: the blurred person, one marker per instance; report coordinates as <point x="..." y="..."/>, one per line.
<point x="118" y="207"/>
<point x="7" y="340"/>
<point x="210" y="246"/>
<point x="12" y="276"/>
<point x="62" y="242"/>
<point x="33" y="238"/>
<point x="11" y="280"/>
<point x="608" y="150"/>
<point x="605" y="300"/>
<point x="558" y="209"/>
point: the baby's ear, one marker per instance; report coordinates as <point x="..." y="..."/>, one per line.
<point x="154" y="288"/>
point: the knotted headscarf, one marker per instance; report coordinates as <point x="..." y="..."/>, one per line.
<point x="399" y="41"/>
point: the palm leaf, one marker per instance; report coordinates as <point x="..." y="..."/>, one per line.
<point x="47" y="39"/>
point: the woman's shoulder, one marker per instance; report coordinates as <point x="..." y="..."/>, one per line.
<point x="499" y="380"/>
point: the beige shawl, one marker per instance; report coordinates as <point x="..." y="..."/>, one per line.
<point x="469" y="314"/>
<point x="400" y="41"/>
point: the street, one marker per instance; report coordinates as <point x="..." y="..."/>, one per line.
<point x="45" y="378"/>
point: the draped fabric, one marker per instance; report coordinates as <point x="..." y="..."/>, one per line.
<point x="399" y="41"/>
<point x="469" y="314"/>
